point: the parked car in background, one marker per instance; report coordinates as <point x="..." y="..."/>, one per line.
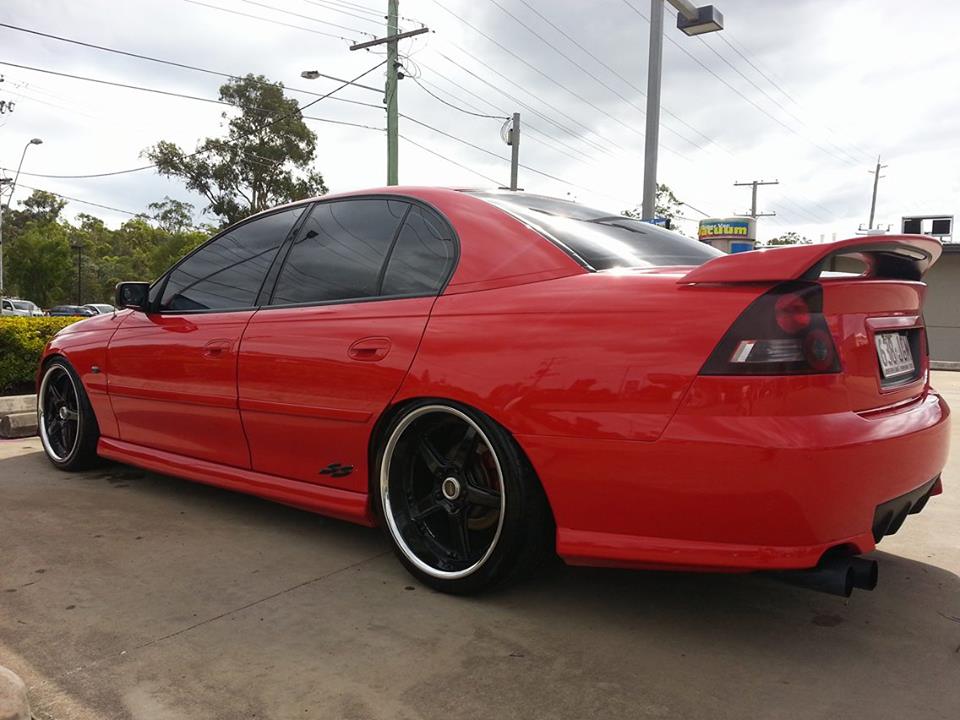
<point x="100" y="308"/>
<point x="21" y="308"/>
<point x="71" y="311"/>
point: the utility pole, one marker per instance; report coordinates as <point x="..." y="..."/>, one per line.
<point x="514" y="150"/>
<point x="753" y="203"/>
<point x="393" y="65"/>
<point x="393" y="156"/>
<point x="876" y="183"/>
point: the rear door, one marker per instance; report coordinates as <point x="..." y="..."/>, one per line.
<point x="322" y="360"/>
<point x="172" y="372"/>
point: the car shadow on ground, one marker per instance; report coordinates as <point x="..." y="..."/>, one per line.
<point x="571" y="642"/>
<point x="903" y="583"/>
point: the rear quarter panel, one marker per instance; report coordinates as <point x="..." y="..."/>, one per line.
<point x="599" y="355"/>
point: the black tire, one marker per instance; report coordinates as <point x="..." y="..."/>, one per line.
<point x="463" y="509"/>
<point x="67" y="426"/>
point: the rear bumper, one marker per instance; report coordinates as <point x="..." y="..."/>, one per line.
<point x="741" y="493"/>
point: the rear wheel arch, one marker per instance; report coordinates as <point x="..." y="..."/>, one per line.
<point x="391" y="412"/>
<point x="529" y="530"/>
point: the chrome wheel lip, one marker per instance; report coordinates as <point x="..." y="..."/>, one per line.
<point x="385" y="494"/>
<point x="41" y="419"/>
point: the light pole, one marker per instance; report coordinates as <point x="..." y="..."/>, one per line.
<point x="78" y="246"/>
<point x="692" y="20"/>
<point x="13" y="189"/>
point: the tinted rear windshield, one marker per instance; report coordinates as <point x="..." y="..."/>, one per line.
<point x="601" y="240"/>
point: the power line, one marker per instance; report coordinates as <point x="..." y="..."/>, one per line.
<point x="730" y="42"/>
<point x="197" y="98"/>
<point x="85" y="202"/>
<point x="172" y="63"/>
<point x="305" y="17"/>
<point x="737" y="90"/>
<point x="449" y="104"/>
<point x="519" y="103"/>
<point x="271" y="21"/>
<point x="614" y="71"/>
<point x="766" y="94"/>
<point x="337" y="8"/>
<point x="582" y="138"/>
<point x="273" y="122"/>
<point x="451" y="160"/>
<point x="589" y="74"/>
<point x="546" y="76"/>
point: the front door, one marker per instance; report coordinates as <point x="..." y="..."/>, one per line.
<point x="172" y="372"/>
<point x="320" y="363"/>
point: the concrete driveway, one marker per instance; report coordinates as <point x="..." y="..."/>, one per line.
<point x="125" y="594"/>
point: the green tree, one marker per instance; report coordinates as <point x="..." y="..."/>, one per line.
<point x="790" y="238"/>
<point x="668" y="206"/>
<point x="41" y="257"/>
<point x="264" y="160"/>
<point x="171" y="215"/>
<point x="39" y="264"/>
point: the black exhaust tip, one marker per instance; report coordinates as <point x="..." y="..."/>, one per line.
<point x="866" y="573"/>
<point x="836" y="575"/>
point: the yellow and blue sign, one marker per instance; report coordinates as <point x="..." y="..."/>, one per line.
<point x="732" y="235"/>
<point x="726" y="229"/>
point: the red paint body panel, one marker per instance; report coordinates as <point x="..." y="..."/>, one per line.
<point x="306" y="400"/>
<point x="645" y="462"/>
<point x="173" y="384"/>
<point x="84" y="344"/>
<point x="741" y="491"/>
<point x="328" y="501"/>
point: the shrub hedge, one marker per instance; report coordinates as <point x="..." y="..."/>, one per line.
<point x="22" y="339"/>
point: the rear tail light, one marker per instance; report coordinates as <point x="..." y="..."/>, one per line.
<point x="782" y="332"/>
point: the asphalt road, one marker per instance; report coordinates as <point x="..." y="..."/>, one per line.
<point x="125" y="594"/>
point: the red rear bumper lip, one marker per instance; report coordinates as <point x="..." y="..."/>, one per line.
<point x="738" y="492"/>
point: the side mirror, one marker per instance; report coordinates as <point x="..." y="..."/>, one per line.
<point x="134" y="295"/>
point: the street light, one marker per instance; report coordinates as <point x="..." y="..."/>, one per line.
<point x="78" y="246"/>
<point x="13" y="189"/>
<point x="692" y="20"/>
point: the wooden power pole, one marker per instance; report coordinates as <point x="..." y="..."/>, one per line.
<point x="393" y="66"/>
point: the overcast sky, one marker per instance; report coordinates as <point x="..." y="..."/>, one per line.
<point x="842" y="80"/>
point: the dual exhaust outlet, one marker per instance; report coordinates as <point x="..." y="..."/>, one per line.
<point x="836" y="575"/>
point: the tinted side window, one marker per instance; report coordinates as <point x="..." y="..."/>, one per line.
<point x="227" y="273"/>
<point x="339" y="251"/>
<point x="421" y="257"/>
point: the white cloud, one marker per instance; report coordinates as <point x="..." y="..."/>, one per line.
<point x="877" y="74"/>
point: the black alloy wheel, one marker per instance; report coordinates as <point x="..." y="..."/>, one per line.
<point x="68" y="428"/>
<point x="453" y="489"/>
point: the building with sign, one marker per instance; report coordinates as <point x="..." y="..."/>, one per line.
<point x="732" y="235"/>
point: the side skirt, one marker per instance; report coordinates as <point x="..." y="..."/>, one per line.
<point x="341" y="504"/>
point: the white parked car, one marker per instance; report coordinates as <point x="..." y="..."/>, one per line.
<point x="100" y="308"/>
<point x="21" y="308"/>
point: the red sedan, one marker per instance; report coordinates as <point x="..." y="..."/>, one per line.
<point x="491" y="376"/>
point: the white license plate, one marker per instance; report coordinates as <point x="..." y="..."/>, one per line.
<point x="893" y="350"/>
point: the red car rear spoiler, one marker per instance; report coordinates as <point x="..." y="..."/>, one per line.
<point x="899" y="257"/>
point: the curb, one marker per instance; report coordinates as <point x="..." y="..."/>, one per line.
<point x="18" y="419"/>
<point x="17" y="404"/>
<point x="944" y="365"/>
<point x="13" y="696"/>
<point x="18" y="425"/>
